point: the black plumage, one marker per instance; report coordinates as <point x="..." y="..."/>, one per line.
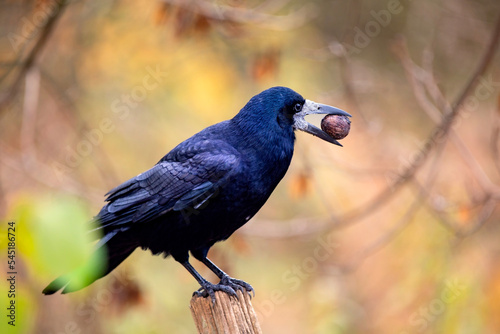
<point x="205" y="188"/>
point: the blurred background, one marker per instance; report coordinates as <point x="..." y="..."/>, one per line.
<point x="396" y="232"/>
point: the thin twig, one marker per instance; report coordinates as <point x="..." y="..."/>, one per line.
<point x="293" y="228"/>
<point x="248" y="16"/>
<point x="482" y="218"/>
<point x="338" y="50"/>
<point x="30" y="107"/>
<point x="488" y="204"/>
<point x="495" y="137"/>
<point x="44" y="174"/>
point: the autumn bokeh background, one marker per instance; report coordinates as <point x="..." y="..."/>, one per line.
<point x="396" y="232"/>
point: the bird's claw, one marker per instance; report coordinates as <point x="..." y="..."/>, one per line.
<point x="228" y="285"/>
<point x="236" y="284"/>
<point x="208" y="289"/>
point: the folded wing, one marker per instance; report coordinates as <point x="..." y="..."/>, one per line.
<point x="176" y="184"/>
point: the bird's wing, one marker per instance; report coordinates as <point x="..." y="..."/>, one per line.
<point x="186" y="182"/>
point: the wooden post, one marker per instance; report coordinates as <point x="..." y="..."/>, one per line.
<point x="228" y="315"/>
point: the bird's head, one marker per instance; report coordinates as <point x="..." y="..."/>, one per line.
<point x="282" y="108"/>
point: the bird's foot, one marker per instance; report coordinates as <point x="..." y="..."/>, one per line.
<point x="208" y="289"/>
<point x="236" y="284"/>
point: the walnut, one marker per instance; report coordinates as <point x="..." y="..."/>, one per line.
<point x="335" y="126"/>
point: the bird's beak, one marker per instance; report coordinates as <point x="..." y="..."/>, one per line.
<point x="310" y="108"/>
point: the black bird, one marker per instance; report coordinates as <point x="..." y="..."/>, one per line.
<point x="204" y="189"/>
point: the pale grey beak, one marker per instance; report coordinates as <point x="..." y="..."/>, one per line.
<point x="310" y="108"/>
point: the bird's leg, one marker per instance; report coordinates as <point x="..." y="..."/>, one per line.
<point x="225" y="279"/>
<point x="207" y="287"/>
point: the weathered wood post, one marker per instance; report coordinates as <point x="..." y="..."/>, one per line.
<point x="227" y="315"/>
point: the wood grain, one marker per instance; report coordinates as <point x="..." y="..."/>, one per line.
<point x="227" y="315"/>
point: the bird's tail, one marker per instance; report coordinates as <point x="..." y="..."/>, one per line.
<point x="114" y="249"/>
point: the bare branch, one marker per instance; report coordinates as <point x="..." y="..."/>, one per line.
<point x="440" y="132"/>
<point x="444" y="127"/>
<point x="418" y="78"/>
<point x="403" y="222"/>
<point x="46" y="30"/>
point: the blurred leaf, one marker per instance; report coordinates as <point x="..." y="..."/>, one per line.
<point x="201" y="24"/>
<point x="265" y="65"/>
<point x="161" y="13"/>
<point x="299" y="185"/>
<point x="53" y="233"/>
<point x="126" y="293"/>
<point x="464" y="215"/>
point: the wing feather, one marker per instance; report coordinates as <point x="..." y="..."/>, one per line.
<point x="172" y="184"/>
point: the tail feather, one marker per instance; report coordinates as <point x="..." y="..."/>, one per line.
<point x="56" y="285"/>
<point x="115" y="251"/>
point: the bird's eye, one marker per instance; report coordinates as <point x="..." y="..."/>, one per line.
<point x="297" y="107"/>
